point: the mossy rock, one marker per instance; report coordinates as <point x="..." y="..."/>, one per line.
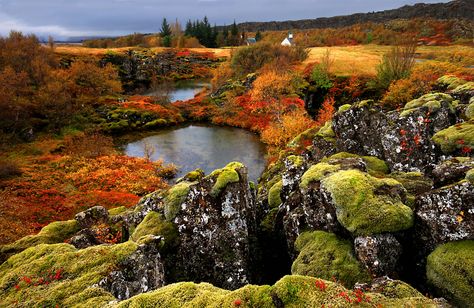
<point x="450" y="82"/>
<point x="326" y="132"/>
<point x="324" y="255"/>
<point x="296" y="160"/>
<point x="56" y="232"/>
<point x="156" y="123"/>
<point x="117" y="210"/>
<point x="317" y="173"/>
<point x="224" y="177"/>
<point x="290" y="292"/>
<point x="470" y="176"/>
<point x="456" y="137"/>
<point x="274" y="197"/>
<point x="155" y="224"/>
<point x="367" y="205"/>
<point x="466" y="88"/>
<point x="414" y="182"/>
<point x="470" y="109"/>
<point x="432" y="101"/>
<point x="175" y="196"/>
<point x="81" y="269"/>
<point x="375" y="166"/>
<point x="306" y="135"/>
<point x="450" y="268"/>
<point x="344" y="108"/>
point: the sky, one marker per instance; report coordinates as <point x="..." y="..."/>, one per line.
<point x="69" y="18"/>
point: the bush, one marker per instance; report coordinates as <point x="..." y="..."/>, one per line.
<point x="252" y="58"/>
<point x="395" y="65"/>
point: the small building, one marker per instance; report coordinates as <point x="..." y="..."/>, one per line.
<point x="251" y="41"/>
<point x="288" y="41"/>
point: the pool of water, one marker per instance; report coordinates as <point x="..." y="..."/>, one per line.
<point x="180" y="91"/>
<point x="205" y="147"/>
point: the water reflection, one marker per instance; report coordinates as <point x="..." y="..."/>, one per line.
<point x="204" y="147"/>
<point x="179" y="91"/>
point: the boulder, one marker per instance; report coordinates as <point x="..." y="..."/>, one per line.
<point x="92" y="216"/>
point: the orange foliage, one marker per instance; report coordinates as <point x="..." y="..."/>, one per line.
<point x="292" y="124"/>
<point x="326" y="112"/>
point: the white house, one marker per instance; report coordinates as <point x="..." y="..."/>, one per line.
<point x="288" y="41"/>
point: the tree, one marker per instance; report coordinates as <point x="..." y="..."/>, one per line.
<point x="165" y="33"/>
<point x="258" y="36"/>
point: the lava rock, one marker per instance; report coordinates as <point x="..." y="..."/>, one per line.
<point x="84" y="238"/>
<point x="92" y="216"/>
<point x="141" y="272"/>
<point x="452" y="170"/>
<point x="379" y="253"/>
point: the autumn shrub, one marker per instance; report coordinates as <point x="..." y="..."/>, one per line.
<point x="221" y="75"/>
<point x="421" y="81"/>
<point x="279" y="133"/>
<point x="396" y="64"/>
<point x="251" y="58"/>
<point x="326" y="112"/>
<point x="89" y="145"/>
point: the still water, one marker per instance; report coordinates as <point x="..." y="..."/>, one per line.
<point x="180" y="91"/>
<point x="205" y="147"/>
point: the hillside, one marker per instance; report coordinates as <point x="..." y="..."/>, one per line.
<point x="457" y="9"/>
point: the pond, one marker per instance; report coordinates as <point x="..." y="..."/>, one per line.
<point x="179" y="91"/>
<point x="205" y="147"/>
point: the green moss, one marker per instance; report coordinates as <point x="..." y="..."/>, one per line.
<point x="450" y="82"/>
<point x="175" y="196"/>
<point x="296" y="160"/>
<point x="317" y="173"/>
<point x="432" y="101"/>
<point x="399" y="289"/>
<point x="117" y="210"/>
<point x="450" y="268"/>
<point x="375" y="166"/>
<point x="156" y="123"/>
<point x="466" y="88"/>
<point x="344" y="108"/>
<point x="155" y="224"/>
<point x="366" y="103"/>
<point x="470" y="176"/>
<point x="324" y="255"/>
<point x="195" y="175"/>
<point x="81" y="270"/>
<point x="455" y="137"/>
<point x="56" y="232"/>
<point x="274" y="198"/>
<point x="364" y="205"/>
<point x="414" y="182"/>
<point x="224" y="177"/>
<point x="326" y="132"/>
<point x="470" y="109"/>
<point x="306" y="135"/>
<point x="268" y="221"/>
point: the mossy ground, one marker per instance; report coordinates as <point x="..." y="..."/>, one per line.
<point x="367" y="205"/>
<point x="56" y="232"/>
<point x="324" y="255"/>
<point x="80" y="270"/>
<point x="450" y="268"/>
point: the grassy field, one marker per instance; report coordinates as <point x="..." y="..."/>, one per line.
<point x="347" y="60"/>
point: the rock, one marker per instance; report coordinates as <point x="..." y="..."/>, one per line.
<point x="84" y="238"/>
<point x="457" y="139"/>
<point x="452" y="170"/>
<point x="379" y="253"/>
<point x="443" y="215"/>
<point x="450" y="269"/>
<point x="324" y="255"/>
<point x="140" y="272"/>
<point x="215" y="219"/>
<point x="389" y="288"/>
<point x="92" y="216"/>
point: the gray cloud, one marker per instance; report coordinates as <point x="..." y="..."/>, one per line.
<point x="113" y="17"/>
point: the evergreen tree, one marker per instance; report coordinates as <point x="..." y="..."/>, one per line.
<point x="165" y="28"/>
<point x="258" y="36"/>
<point x="234" y="35"/>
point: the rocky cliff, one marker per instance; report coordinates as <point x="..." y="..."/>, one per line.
<point x="377" y="199"/>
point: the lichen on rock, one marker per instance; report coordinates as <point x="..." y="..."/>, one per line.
<point x="456" y="138"/>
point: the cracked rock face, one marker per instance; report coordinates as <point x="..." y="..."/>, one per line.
<point x="141" y="272"/>
<point x="444" y="215"/>
<point x="214" y="234"/>
<point x="92" y="216"/>
<point x="379" y="253"/>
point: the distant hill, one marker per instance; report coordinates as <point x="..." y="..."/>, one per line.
<point x="457" y="9"/>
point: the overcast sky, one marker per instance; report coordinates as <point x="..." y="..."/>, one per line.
<point x="65" y="18"/>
